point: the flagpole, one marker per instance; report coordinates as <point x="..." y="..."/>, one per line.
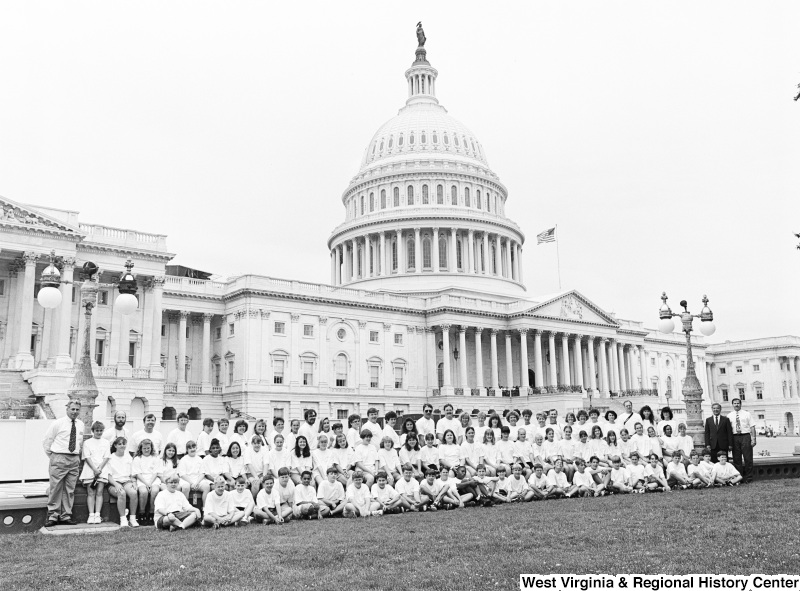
<point x="558" y="258"/>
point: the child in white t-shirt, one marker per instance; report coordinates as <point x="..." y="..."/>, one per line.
<point x="120" y="481"/>
<point x="96" y="452"/>
<point x="219" y="510"/>
<point x="601" y="475"/>
<point x="172" y="508"/>
<point x="698" y="477"/>
<point x="676" y="471"/>
<point x="540" y="488"/>
<point x="190" y="468"/>
<point x="558" y="479"/>
<point x="582" y="482"/>
<point x="434" y="494"/>
<point x="306" y="504"/>
<point x="618" y="477"/>
<point x="385" y="495"/>
<point x="243" y="499"/>
<point x="501" y="493"/>
<point x="268" y="503"/>
<point x="408" y="489"/>
<point x="429" y="454"/>
<point x="256" y="463"/>
<point x="654" y="475"/>
<point x="358" y="502"/>
<point x="451" y="484"/>
<point x="517" y="486"/>
<point x="389" y="460"/>
<point x="205" y="437"/>
<point x="366" y="456"/>
<point x="323" y="458"/>
<point x="724" y="473"/>
<point x="330" y="492"/>
<point x="636" y="475"/>
<point x="485" y="485"/>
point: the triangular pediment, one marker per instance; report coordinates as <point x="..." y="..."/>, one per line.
<point x="571" y="306"/>
<point x="13" y="214"/>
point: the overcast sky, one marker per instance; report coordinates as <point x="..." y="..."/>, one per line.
<point x="661" y="137"/>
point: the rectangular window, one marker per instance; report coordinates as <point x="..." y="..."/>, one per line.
<point x="341" y="414"/>
<point x="756" y="367"/>
<point x="230" y="373"/>
<point x="373" y="376"/>
<point x="98" y="352"/>
<point x="308" y="373"/>
<point x="280" y="328"/>
<point x="218" y="332"/>
<point x="277" y="413"/>
<point x="683" y="364"/>
<point x="759" y="394"/>
<point x="2" y="287"/>
<point x="308" y="330"/>
<point x="739" y="369"/>
<point x="341" y="371"/>
<point x="132" y="354"/>
<point x="761" y="417"/>
<point x="231" y="329"/>
<point x="741" y="394"/>
<point x="163" y="330"/>
<point x="277" y="371"/>
<point x="653" y="361"/>
<point x="102" y="298"/>
<point x="398" y="338"/>
<point x="373" y="336"/>
<point x="722" y="371"/>
<point x="725" y="394"/>
<point x="74" y="294"/>
<point x="187" y="332"/>
<point x="217" y="375"/>
<point x="398" y="377"/>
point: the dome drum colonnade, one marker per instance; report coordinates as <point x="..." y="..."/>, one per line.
<point x="561" y="360"/>
<point x="449" y="219"/>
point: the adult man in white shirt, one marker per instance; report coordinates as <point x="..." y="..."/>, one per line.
<point x="628" y="419"/>
<point x="425" y="423"/>
<point x="118" y="430"/>
<point x="308" y="430"/>
<point x="62" y="444"/>
<point x="744" y="439"/>
<point x="447" y="422"/>
<point x="148" y="432"/>
<point x="179" y="436"/>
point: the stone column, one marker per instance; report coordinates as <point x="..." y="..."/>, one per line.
<point x="382" y="257"/>
<point x="487" y="267"/>
<point x="497" y="261"/>
<point x="552" y="365"/>
<point x="565" y="359"/>
<point x="462" y="357"/>
<point x="354" y="260"/>
<point x="470" y="251"/>
<point x="123" y="340"/>
<point x="621" y="363"/>
<point x="537" y="359"/>
<point x="643" y="367"/>
<point x="333" y="267"/>
<point x="632" y="368"/>
<point x="509" y="362"/>
<point x="24" y="359"/>
<point x="435" y="250"/>
<point x="515" y="260"/>
<point x="62" y="357"/>
<point x="614" y="366"/>
<point x="590" y="354"/>
<point x="579" y="362"/>
<point x="205" y="376"/>
<point x="12" y="329"/>
<point x="604" y="381"/>
<point x="793" y="376"/>
<point x="445" y="355"/>
<point x="401" y="253"/>
<point x="417" y="251"/>
<point x="493" y="342"/>
<point x="523" y="355"/>
<point x="453" y="246"/>
<point x="478" y="357"/>
<point x="519" y="262"/>
<point x="155" y="347"/>
<point x="509" y="270"/>
<point x="183" y="316"/>
<point x="430" y="337"/>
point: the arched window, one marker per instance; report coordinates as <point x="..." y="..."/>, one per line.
<point x="371" y="202"/>
<point x="383" y="198"/>
<point x="458" y="254"/>
<point x="439" y="195"/>
<point x="478" y="199"/>
<point x="410" y="258"/>
<point x="360" y="257"/>
<point x="473" y="146"/>
<point x="410" y="194"/>
<point x="400" y="140"/>
<point x="397" y="196"/>
<point x="440" y="374"/>
<point x="381" y="147"/>
<point x="446" y="139"/>
<point x="424" y="194"/>
<point x="435" y="138"/>
<point x="466" y="197"/>
<point x="424" y="138"/>
<point x="455" y="139"/>
<point x="488" y="200"/>
<point x="494" y="259"/>
<point x="391" y="142"/>
<point x="341" y="370"/>
<point x="411" y="139"/>
<point x="442" y="252"/>
<point x="426" y="253"/>
<point x="453" y="195"/>
<point x="362" y="205"/>
<point x="669" y="387"/>
<point x="394" y="255"/>
<point x="375" y="145"/>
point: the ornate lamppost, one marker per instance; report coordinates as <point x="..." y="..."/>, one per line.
<point x="84" y="387"/>
<point x="692" y="392"/>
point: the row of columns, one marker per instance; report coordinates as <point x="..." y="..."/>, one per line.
<point x="350" y="259"/>
<point x="183" y="319"/>
<point x="609" y="364"/>
<point x="793" y="390"/>
<point x="421" y="84"/>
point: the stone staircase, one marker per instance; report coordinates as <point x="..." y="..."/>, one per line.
<point x="16" y="396"/>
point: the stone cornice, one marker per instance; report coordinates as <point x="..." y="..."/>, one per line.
<point x="22" y="229"/>
<point x="148" y="255"/>
<point x="682" y="344"/>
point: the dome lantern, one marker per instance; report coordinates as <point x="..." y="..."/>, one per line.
<point x="421" y="76"/>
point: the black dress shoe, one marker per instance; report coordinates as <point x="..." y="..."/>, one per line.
<point x="51" y="523"/>
<point x="67" y="522"/>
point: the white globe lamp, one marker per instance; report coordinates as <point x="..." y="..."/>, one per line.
<point x="126" y="303"/>
<point x="708" y="328"/>
<point x="49" y="297"/>
<point x="666" y="326"/>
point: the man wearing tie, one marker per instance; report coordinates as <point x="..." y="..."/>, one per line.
<point x="744" y="439"/>
<point x="719" y="435"/>
<point x="62" y="444"/>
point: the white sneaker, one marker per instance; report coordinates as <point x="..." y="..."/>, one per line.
<point x="97" y="518"/>
<point x="90" y="521"/>
<point x="134" y="523"/>
<point x="123" y="522"/>
<point x="377" y="513"/>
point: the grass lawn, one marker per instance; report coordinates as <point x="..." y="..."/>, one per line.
<point x="738" y="530"/>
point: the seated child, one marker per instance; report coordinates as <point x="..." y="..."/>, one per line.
<point x="698" y="477"/>
<point x="601" y="475"/>
<point x="330" y="492"/>
<point x="676" y="471"/>
<point x="190" y="468"/>
<point x="724" y="473"/>
<point x="654" y="475"/>
<point x="583" y="484"/>
<point x="285" y="488"/>
<point x="384" y="494"/>
<point x="434" y="494"/>
<point x="243" y="499"/>
<point x="219" y="509"/>
<point x="408" y="488"/>
<point x="172" y="508"/>
<point x="268" y="503"/>
<point x="558" y="479"/>
<point x="618" y="477"/>
<point x="636" y="475"/>
<point x="358" y="502"/>
<point x="429" y="454"/>
<point x="452" y="484"/>
<point x="306" y="504"/>
<point x="540" y="487"/>
<point x="517" y="486"/>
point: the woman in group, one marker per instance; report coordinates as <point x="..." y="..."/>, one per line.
<point x="481" y="427"/>
<point x="237" y="464"/>
<point x="279" y="457"/>
<point x="408" y="427"/>
<point x="260" y="430"/>
<point x="495" y="424"/>
<point x="490" y="451"/>
<point x="449" y="452"/>
<point x="581" y="425"/>
<point x="410" y="455"/>
<point x="301" y="459"/>
<point x="240" y="435"/>
<point x="120" y="481"/>
<point x="277" y="429"/>
<point x="471" y="452"/>
<point x="640" y="443"/>
<point x="611" y="420"/>
<point x="353" y="430"/>
<point x="570" y="419"/>
<point x="613" y="448"/>
<point x="667" y="419"/>
<point x="465" y="421"/>
<point x="647" y="418"/>
<point x="668" y="444"/>
<point x="325" y="427"/>
<point x="598" y="445"/>
<point x="344" y="459"/>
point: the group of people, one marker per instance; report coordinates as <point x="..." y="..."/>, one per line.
<point x="254" y="473"/>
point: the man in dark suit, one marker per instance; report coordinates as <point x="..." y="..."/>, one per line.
<point x="719" y="433"/>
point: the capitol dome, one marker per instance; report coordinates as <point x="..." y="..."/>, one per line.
<point x="425" y="212"/>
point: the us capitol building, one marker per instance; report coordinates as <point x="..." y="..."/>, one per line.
<point x="426" y="302"/>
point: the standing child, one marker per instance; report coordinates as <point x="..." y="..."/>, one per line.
<point x="279" y="456"/>
<point x="96" y="453"/>
<point x="120" y="481"/>
<point x="389" y="420"/>
<point x="430" y="454"/>
<point x="191" y="472"/>
<point x="410" y="455"/>
<point x="169" y="464"/>
<point x="236" y="464"/>
<point x="239" y="434"/>
<point x="222" y="434"/>
<point x="344" y="459"/>
<point x="330" y="492"/>
<point x="243" y="499"/>
<point x="471" y="452"/>
<point x="322" y="458"/>
<point x="301" y="459"/>
<point x="219" y="510"/>
<point x="205" y="437"/>
<point x="214" y="464"/>
<point x="358" y="502"/>
<point x="256" y="463"/>
<point x="145" y="468"/>
<point x="172" y="509"/>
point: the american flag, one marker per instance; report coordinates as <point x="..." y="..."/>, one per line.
<point x="546" y="236"/>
